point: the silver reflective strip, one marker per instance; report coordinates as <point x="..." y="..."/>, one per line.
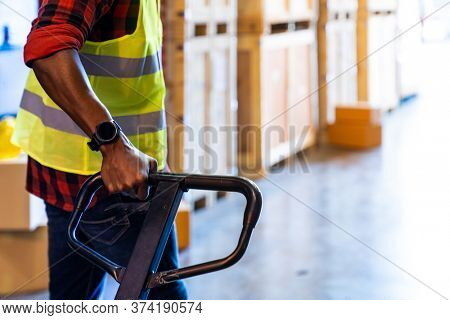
<point x="59" y="120"/>
<point x="109" y="66"/>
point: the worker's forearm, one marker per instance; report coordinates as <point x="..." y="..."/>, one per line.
<point x="63" y="78"/>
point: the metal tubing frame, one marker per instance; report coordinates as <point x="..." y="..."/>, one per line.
<point x="140" y="276"/>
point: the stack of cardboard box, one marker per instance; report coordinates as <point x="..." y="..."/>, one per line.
<point x="23" y="237"/>
<point x="357" y="126"/>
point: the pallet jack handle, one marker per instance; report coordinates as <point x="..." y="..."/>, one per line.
<point x="179" y="184"/>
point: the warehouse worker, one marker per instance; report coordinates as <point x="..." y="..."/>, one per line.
<point x="96" y="82"/>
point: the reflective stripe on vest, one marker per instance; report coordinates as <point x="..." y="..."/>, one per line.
<point x="59" y="120"/>
<point x="107" y="66"/>
<point x="126" y="75"/>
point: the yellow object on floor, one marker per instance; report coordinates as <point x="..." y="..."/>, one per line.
<point x="360" y="113"/>
<point x="183" y="226"/>
<point x="24" y="264"/>
<point x="7" y="149"/>
<point x="355" y="136"/>
<point x="357" y="126"/>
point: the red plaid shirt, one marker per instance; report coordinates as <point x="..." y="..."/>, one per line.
<point x="64" y="24"/>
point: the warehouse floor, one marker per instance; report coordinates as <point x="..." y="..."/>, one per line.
<point x="348" y="225"/>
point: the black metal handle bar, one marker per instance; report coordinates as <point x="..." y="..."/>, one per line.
<point x="184" y="182"/>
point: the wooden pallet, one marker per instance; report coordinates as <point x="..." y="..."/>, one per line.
<point x="322" y="69"/>
<point x="340" y="6"/>
<point x="342" y="72"/>
<point x="185" y="29"/>
<point x="200" y="72"/>
<point x="202" y="105"/>
<point x="186" y="19"/>
<point x="377" y="75"/>
<point x="337" y="29"/>
<point x="334" y="15"/>
<point x="275" y="73"/>
<point x="336" y="26"/>
<point x="202" y="10"/>
<point x="379" y="6"/>
<point x="269" y="16"/>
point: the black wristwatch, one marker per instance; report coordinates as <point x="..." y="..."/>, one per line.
<point x="106" y="132"/>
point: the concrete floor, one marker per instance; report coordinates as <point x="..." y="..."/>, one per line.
<point x="354" y="225"/>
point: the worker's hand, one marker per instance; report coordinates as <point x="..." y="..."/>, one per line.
<point x="126" y="169"/>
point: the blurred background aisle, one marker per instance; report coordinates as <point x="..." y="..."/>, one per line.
<point x="394" y="199"/>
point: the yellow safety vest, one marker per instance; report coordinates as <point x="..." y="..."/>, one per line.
<point x="126" y="74"/>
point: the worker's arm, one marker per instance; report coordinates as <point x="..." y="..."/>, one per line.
<point x="65" y="81"/>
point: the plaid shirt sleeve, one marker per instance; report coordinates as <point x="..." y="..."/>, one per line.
<point x="63" y="24"/>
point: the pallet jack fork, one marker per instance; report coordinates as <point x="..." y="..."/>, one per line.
<point x="140" y="276"/>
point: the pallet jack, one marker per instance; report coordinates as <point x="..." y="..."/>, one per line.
<point x="140" y="276"/>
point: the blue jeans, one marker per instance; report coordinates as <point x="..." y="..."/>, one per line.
<point x="72" y="277"/>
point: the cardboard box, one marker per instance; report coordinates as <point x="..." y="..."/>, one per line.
<point x="182" y="223"/>
<point x="23" y="261"/>
<point x="355" y="136"/>
<point x="358" y="114"/>
<point x="19" y="210"/>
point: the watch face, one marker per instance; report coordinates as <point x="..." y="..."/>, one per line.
<point x="106" y="131"/>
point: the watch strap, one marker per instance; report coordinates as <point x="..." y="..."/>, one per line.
<point x="96" y="143"/>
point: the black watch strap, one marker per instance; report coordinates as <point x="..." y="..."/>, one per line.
<point x="102" y="136"/>
<point x="94" y="144"/>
